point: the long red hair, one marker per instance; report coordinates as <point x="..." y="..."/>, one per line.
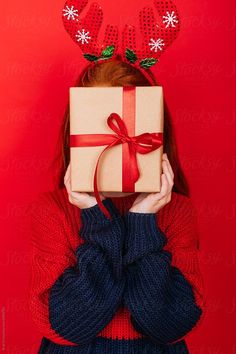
<point x="118" y="73"/>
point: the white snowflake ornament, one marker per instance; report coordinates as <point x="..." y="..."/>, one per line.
<point x="82" y="36"/>
<point x="156" y="44"/>
<point x="169" y="19"/>
<point x="71" y="13"/>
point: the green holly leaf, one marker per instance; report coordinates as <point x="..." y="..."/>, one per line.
<point x="108" y="51"/>
<point x="91" y="57"/>
<point x="147" y="62"/>
<point x="130" y="55"/>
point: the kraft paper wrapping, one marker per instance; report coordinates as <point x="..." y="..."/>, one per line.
<point x="89" y="110"/>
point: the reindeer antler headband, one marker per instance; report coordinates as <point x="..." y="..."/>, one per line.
<point x="157" y="35"/>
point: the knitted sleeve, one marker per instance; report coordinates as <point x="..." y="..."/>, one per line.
<point x="163" y="290"/>
<point x="71" y="304"/>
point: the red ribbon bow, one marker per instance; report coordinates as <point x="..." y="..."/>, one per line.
<point x="152" y="141"/>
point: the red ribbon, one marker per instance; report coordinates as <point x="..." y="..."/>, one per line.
<point x="152" y="141"/>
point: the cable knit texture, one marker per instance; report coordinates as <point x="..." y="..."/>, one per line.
<point x="127" y="285"/>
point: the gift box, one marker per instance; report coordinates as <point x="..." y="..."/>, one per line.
<point x="116" y="138"/>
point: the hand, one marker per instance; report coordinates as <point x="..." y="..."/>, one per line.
<point x="153" y="202"/>
<point x="80" y="199"/>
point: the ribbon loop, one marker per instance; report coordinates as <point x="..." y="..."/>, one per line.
<point x="121" y="124"/>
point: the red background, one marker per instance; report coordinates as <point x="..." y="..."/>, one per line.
<point x="39" y="62"/>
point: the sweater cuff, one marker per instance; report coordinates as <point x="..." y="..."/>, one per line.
<point x="143" y="236"/>
<point x="95" y="214"/>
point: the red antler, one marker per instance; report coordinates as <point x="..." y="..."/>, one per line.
<point x="84" y="31"/>
<point x="157" y="34"/>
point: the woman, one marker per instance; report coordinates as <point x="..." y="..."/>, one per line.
<point x="127" y="285"/>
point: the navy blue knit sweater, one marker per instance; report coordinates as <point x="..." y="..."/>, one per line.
<point x="121" y="263"/>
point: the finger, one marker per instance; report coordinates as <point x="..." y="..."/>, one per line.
<point x="165" y="158"/>
<point x="164" y="189"/>
<point x="67" y="179"/>
<point x="164" y="155"/>
<point x="164" y="186"/>
<point x="67" y="173"/>
<point x="170" y="168"/>
<point x="168" y="175"/>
